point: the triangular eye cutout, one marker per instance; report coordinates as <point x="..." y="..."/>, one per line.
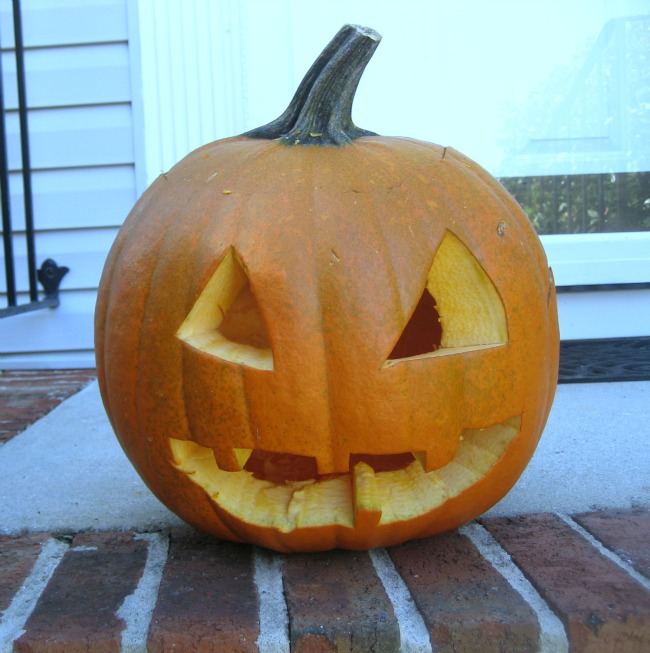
<point x="225" y="320"/>
<point x="467" y="312"/>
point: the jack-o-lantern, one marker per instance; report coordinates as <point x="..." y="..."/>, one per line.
<point x="310" y="336"/>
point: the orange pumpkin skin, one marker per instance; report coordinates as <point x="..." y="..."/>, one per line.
<point x="336" y="243"/>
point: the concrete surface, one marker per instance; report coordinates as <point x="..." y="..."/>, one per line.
<point x="67" y="472"/>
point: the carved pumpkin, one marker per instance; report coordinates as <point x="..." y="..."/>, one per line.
<point x="310" y="336"/>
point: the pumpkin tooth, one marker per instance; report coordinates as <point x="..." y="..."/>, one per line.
<point x="231" y="460"/>
<point x="366" y="497"/>
<point x="421" y="457"/>
<point x="333" y="463"/>
<point x="242" y="456"/>
<point x="313" y="503"/>
<point x="442" y="455"/>
<point x="296" y="505"/>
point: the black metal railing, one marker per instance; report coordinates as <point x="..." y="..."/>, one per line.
<point x="49" y="274"/>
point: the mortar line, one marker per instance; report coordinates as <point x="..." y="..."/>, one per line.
<point x="552" y="635"/>
<point x="137" y="609"/>
<point x="24" y="601"/>
<point x="414" y="634"/>
<point x="273" y="611"/>
<point x="608" y="553"/>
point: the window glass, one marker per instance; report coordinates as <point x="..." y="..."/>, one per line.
<point x="580" y="146"/>
<point x="550" y="96"/>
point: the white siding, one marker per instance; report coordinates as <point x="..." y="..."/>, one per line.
<point x="193" y="76"/>
<point x="82" y="149"/>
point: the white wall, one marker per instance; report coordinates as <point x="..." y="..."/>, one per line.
<point x="122" y="89"/>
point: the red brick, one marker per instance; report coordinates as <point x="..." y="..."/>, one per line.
<point x="207" y="599"/>
<point x="17" y="557"/>
<point x="603" y="608"/>
<point x="625" y="532"/>
<point x="77" y="611"/>
<point x="336" y="602"/>
<point x="28" y="395"/>
<point x="466" y="604"/>
<point x="316" y="644"/>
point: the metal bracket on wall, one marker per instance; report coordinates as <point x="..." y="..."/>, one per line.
<point x="49" y="276"/>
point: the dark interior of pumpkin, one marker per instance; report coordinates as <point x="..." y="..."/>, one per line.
<point x="289" y="468"/>
<point x="423" y="332"/>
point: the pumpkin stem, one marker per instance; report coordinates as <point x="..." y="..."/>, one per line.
<point x="320" y="112"/>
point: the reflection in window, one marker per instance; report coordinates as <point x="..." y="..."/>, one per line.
<point x="581" y="149"/>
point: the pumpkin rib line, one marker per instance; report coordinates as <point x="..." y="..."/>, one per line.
<point x="386" y="248"/>
<point x="259" y="159"/>
<point x="233" y="219"/>
<point x="105" y="305"/>
<point x="155" y="270"/>
<point x="260" y="174"/>
<point x="331" y="427"/>
<point x="127" y="240"/>
<point x="162" y="238"/>
<point x="394" y="284"/>
<point x="421" y="213"/>
<point x="376" y="161"/>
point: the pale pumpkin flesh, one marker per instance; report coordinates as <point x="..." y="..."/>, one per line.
<point x="362" y="498"/>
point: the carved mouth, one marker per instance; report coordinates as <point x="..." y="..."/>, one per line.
<point x="378" y="489"/>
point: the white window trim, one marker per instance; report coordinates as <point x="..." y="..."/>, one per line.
<point x="599" y="259"/>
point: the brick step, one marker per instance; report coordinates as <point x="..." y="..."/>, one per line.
<point x="541" y="582"/>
